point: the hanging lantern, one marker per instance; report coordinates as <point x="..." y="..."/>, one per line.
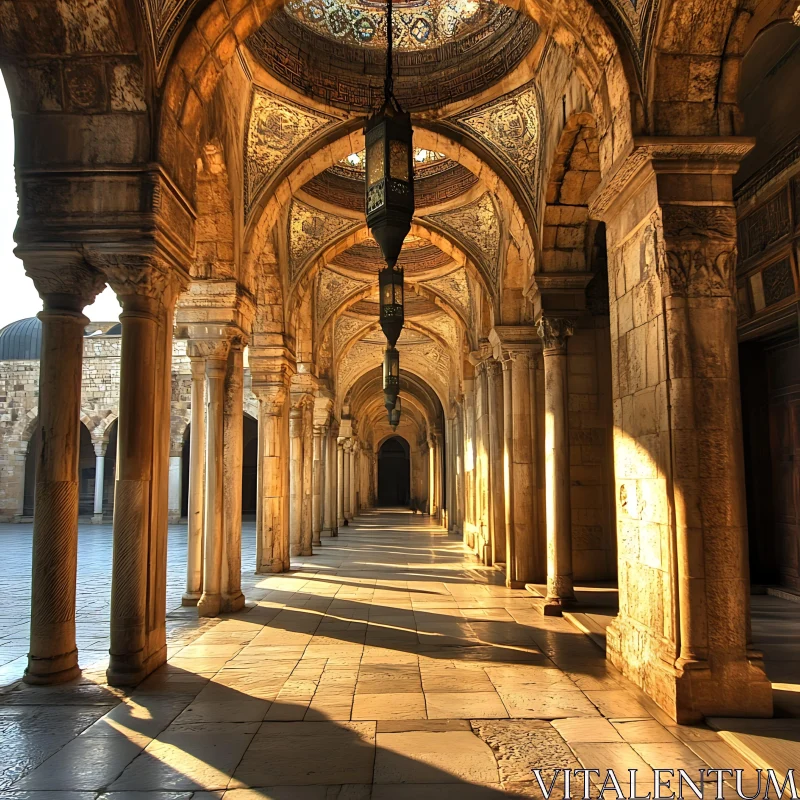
<point x="390" y="282"/>
<point x="394" y="414"/>
<point x="391" y="374"/>
<point x="389" y="168"/>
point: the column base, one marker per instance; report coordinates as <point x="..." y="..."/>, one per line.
<point x="50" y="671"/>
<point x="274" y="568"/>
<point x="688" y="692"/>
<point x="130" y="670"/>
<point x="514" y="584"/>
<point x="190" y="598"/>
<point x="317" y="539"/>
<point x="232" y="604"/>
<point x="555" y="606"/>
<point x="97" y="519"/>
<point x="209" y="605"/>
<point x="173" y="518"/>
<point x="326" y="533"/>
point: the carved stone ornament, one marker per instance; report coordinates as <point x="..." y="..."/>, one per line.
<point x="699" y="251"/>
<point x="277" y="129"/>
<point x="453" y="287"/>
<point x="271" y="397"/>
<point x="62" y="274"/>
<point x="510" y="126"/>
<point x="554" y="332"/>
<point x="346" y="328"/>
<point x="212" y="349"/>
<point x="474" y="225"/>
<point x="719" y="150"/>
<point x="309" y="230"/>
<point x="142" y="275"/>
<point x="332" y="289"/>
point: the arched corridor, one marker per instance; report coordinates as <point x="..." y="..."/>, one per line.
<point x="525" y="273"/>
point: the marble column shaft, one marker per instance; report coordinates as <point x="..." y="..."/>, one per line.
<point x="272" y="542"/>
<point x="296" y="480"/>
<point x="307" y="535"/>
<point x="233" y="432"/>
<point x="210" y="601"/>
<point x="496" y="504"/>
<point x="340" y="459"/>
<point x="197" y="456"/>
<point x="99" y="480"/>
<point x="175" y="485"/>
<point x="554" y="333"/>
<point x="138" y="585"/>
<point x="508" y="473"/>
<point x="53" y="654"/>
<point x="317" y="484"/>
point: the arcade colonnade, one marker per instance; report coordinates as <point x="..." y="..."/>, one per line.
<point x="573" y="294"/>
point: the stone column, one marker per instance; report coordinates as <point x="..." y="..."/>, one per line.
<point x="438" y="463"/>
<point x="296" y="480"/>
<point x="175" y="472"/>
<point x="496" y="505"/>
<point x="328" y="495"/>
<point x="197" y="455"/>
<point x="483" y="521"/>
<point x="316" y="477"/>
<point x="233" y="431"/>
<point x="147" y="289"/>
<point x="353" y="479"/>
<point x="431" y="478"/>
<point x="210" y="601"/>
<point x="340" y="493"/>
<point x="671" y="233"/>
<point x="470" y="446"/>
<point x="516" y="345"/>
<point x="508" y="474"/>
<point x="66" y="286"/>
<point x="99" y="479"/>
<point x="272" y="511"/>
<point x="307" y="536"/>
<point x="554" y="332"/>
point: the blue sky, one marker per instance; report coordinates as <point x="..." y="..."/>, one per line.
<point x="18" y="298"/>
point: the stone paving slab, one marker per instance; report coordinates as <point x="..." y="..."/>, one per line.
<point x="388" y="666"/>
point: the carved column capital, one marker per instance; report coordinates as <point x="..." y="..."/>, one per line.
<point x="271" y="397"/>
<point x="208" y="349"/>
<point x="695" y="253"/>
<point x="138" y="274"/>
<point x="62" y="277"/>
<point x="554" y="332"/>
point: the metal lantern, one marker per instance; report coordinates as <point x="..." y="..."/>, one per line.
<point x="390" y="283"/>
<point x="394" y="414"/>
<point x="391" y="373"/>
<point x="389" y="168"/>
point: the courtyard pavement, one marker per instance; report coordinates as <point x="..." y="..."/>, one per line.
<point x="389" y="665"/>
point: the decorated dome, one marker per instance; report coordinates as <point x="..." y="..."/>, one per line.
<point x="21" y="340"/>
<point x="418" y="24"/>
<point x="445" y="50"/>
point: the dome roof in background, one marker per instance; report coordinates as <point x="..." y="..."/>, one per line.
<point x="21" y="340"/>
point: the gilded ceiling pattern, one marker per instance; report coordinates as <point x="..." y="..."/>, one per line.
<point x="278" y="128"/>
<point x="309" y="230"/>
<point x="475" y="226"/>
<point x="510" y="127"/>
<point x="332" y="289"/>
<point x="453" y="287"/>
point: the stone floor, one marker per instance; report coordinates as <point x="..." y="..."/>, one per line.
<point x="387" y="666"/>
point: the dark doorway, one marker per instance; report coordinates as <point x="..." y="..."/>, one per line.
<point x="394" y="473"/>
<point x="249" y="465"/>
